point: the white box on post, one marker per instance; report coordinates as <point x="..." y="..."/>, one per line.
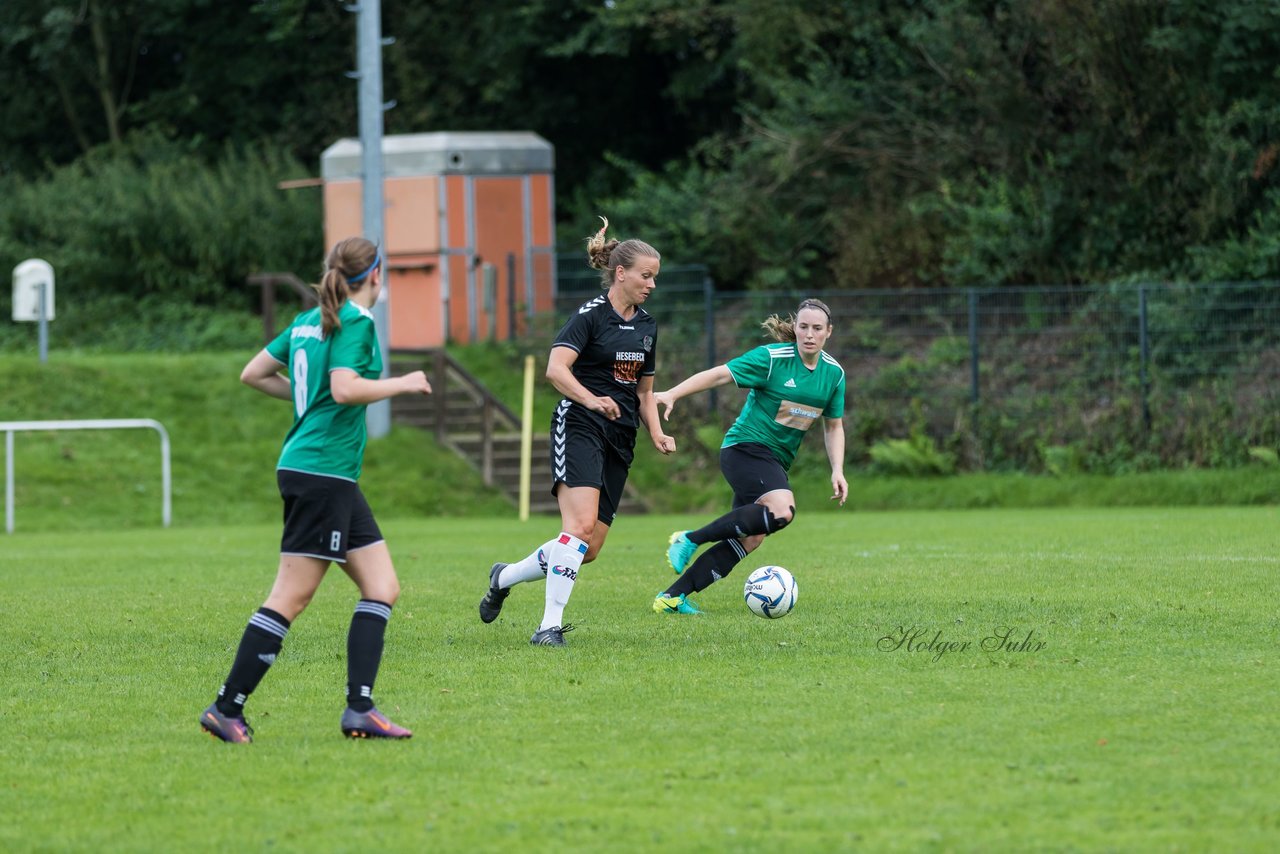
<point x="27" y="279"/>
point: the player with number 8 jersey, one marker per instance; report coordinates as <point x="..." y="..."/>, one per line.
<point x="335" y="372"/>
<point x="326" y="439"/>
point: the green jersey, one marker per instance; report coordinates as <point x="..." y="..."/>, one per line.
<point x="327" y="438"/>
<point x="786" y="398"/>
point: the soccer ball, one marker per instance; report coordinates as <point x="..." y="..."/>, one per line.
<point x="770" y="592"/>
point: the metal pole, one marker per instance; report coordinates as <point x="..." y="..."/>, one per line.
<point x="491" y="301"/>
<point x="472" y="308"/>
<point x="8" y="481"/>
<point x="166" y="477"/>
<point x="44" y="322"/>
<point x="1144" y="352"/>
<point x="973" y="346"/>
<point x="369" y="55"/>
<point x="511" y="296"/>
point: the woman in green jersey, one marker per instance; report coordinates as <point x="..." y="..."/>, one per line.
<point x="792" y="384"/>
<point x="335" y="369"/>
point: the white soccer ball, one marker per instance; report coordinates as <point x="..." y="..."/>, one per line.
<point x="770" y="592"/>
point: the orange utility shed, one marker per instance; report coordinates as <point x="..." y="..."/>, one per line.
<point x="469" y="224"/>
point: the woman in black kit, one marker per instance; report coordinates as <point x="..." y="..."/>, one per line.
<point x="602" y="361"/>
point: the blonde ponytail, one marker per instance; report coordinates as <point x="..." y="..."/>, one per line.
<point x="784" y="328"/>
<point x="607" y="255"/>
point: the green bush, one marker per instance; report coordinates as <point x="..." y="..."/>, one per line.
<point x="147" y="218"/>
<point x="116" y="323"/>
<point x="914" y="456"/>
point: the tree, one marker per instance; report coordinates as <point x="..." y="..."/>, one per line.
<point x="202" y="71"/>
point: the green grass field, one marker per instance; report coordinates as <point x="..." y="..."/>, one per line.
<point x="1145" y="721"/>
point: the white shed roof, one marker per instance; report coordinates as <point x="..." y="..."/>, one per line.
<point x="449" y="152"/>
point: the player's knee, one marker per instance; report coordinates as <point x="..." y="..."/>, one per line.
<point x="288" y="606"/>
<point x="780" y="520"/>
<point x="384" y="593"/>
<point x="582" y="531"/>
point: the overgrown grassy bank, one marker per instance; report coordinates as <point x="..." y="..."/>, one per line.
<point x="225" y="441"/>
<point x="226" y="437"/>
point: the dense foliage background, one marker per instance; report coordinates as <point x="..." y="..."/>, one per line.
<point x="817" y="144"/>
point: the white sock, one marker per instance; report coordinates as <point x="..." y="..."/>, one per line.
<point x="564" y="560"/>
<point x="532" y="568"/>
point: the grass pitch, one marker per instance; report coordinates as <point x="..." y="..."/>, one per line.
<point x="956" y="681"/>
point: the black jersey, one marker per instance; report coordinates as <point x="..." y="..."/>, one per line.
<point x="612" y="353"/>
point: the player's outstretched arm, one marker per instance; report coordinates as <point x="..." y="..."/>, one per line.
<point x="351" y="389"/>
<point x="701" y="381"/>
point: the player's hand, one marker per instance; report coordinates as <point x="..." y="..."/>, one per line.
<point x="606" y="406"/>
<point x="415" y="383"/>
<point x="664" y="399"/>
<point x="840" y="487"/>
<point x="664" y="443"/>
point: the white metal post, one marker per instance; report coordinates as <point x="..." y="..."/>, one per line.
<point x="11" y="427"/>
<point x="8" y="481"/>
<point x="44" y="322"/>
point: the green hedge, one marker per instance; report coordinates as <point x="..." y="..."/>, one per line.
<point x="148" y="218"/>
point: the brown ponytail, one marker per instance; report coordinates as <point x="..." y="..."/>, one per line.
<point x="350" y="259"/>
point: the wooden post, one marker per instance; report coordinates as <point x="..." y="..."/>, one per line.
<point x="486" y="441"/>
<point x="526" y="439"/>
<point x="268" y="310"/>
<point x="439" y="395"/>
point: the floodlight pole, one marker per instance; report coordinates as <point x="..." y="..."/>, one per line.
<point x="44" y="322"/>
<point x="369" y="72"/>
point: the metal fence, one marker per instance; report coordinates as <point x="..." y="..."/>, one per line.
<point x="1132" y="376"/>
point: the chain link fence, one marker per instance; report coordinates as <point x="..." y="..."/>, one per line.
<point x="1102" y="379"/>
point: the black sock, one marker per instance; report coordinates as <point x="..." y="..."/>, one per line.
<point x="711" y="566"/>
<point x="745" y="521"/>
<point x="364" y="651"/>
<point x="259" y="647"/>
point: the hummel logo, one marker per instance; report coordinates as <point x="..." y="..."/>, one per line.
<point x="266" y="658"/>
<point x="790" y="384"/>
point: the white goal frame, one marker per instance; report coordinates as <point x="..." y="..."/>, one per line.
<point x="11" y="427"/>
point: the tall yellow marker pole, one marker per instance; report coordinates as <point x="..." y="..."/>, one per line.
<point x="526" y="440"/>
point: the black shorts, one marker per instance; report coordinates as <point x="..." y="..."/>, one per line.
<point x="588" y="451"/>
<point x="324" y="517"/>
<point x="751" y="470"/>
